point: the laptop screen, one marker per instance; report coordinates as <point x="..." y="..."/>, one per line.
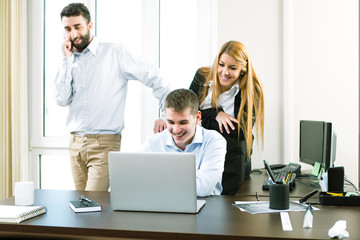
<point x="164" y="182"/>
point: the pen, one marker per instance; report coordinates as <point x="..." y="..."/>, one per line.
<point x="288" y="176"/>
<point x="335" y="194"/>
<point x="270" y="172"/>
<point x="85" y="199"/>
<point x="270" y="181"/>
<point x="307" y="196"/>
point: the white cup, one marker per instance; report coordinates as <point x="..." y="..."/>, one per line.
<point x="24" y="193"/>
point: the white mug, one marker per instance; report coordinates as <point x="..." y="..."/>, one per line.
<point x="24" y="193"/>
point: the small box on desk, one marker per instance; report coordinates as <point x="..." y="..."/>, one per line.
<point x="331" y="199"/>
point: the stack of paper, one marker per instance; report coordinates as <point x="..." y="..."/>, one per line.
<point x="263" y="207"/>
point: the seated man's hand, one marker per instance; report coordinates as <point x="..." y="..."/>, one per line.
<point x="159" y="125"/>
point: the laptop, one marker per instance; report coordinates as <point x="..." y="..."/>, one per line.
<point x="155" y="182"/>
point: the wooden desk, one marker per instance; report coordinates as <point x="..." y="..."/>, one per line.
<point x="217" y="220"/>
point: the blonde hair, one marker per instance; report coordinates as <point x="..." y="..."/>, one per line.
<point x="252" y="96"/>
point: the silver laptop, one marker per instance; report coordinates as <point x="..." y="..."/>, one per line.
<point x="157" y="182"/>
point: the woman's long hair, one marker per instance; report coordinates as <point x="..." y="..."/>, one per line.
<point x="252" y="97"/>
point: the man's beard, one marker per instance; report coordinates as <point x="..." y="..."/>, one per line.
<point x="83" y="44"/>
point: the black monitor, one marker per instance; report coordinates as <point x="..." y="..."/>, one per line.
<point x="317" y="143"/>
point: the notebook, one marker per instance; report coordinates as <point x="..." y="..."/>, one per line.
<point x="78" y="207"/>
<point x="17" y="214"/>
<point x="156" y="182"/>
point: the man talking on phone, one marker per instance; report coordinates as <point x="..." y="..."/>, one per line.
<point x="92" y="82"/>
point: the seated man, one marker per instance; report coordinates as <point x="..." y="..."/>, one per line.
<point x="183" y="134"/>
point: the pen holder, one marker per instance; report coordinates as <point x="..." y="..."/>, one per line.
<point x="279" y="196"/>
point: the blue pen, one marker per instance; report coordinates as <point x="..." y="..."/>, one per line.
<point x="271" y="182"/>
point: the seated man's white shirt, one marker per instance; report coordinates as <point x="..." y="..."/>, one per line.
<point x="210" y="149"/>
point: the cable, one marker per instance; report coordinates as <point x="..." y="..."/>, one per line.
<point x="346" y="179"/>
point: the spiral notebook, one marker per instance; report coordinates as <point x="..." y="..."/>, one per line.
<point x="17" y="214"/>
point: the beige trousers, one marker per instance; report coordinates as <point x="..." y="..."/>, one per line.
<point x="89" y="160"/>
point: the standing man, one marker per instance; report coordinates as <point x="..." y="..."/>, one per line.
<point x="183" y="134"/>
<point x="92" y="82"/>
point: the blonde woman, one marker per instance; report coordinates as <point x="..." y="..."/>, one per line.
<point x="230" y="93"/>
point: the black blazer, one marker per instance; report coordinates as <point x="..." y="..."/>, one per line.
<point x="208" y="115"/>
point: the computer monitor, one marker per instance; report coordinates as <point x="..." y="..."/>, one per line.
<point x="317" y="143"/>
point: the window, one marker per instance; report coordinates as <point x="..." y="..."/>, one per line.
<point x="158" y="31"/>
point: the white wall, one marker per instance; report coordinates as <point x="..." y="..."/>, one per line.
<point x="306" y="53"/>
<point x="325" y="72"/>
<point x="258" y="25"/>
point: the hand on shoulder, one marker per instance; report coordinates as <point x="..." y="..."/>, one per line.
<point x="159" y="125"/>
